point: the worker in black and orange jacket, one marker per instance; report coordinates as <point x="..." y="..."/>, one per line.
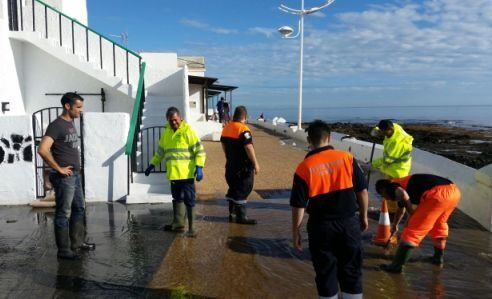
<point x="241" y="164"/>
<point x="330" y="185"/>
<point x="436" y="198"/>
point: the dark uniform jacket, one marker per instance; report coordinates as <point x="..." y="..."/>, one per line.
<point x="325" y="183"/>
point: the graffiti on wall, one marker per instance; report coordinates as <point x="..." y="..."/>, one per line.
<point x="15" y="148"/>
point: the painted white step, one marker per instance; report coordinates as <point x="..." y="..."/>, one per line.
<point x="152" y="179"/>
<point x="143" y="199"/>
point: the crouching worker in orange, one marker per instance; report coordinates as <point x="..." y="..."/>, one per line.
<point x="436" y="198"/>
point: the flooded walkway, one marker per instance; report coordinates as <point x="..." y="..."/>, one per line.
<point x="135" y="258"/>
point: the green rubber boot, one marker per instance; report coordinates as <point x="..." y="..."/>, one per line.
<point x="438" y="257"/>
<point x="241" y="217"/>
<point x="179" y="214"/>
<point x="231" y="211"/>
<point x="402" y="256"/>
<point x="62" y="238"/>
<point x="190" y="211"/>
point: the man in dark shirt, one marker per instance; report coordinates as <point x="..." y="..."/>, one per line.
<point x="59" y="149"/>
<point x="436" y="198"/>
<point x="241" y="164"/>
<point x="220" y="109"/>
<point x="331" y="187"/>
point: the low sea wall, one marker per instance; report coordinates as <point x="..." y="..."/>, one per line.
<point x="475" y="185"/>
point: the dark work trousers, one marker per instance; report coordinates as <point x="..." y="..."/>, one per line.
<point x="184" y="190"/>
<point x="240" y="184"/>
<point x="336" y="253"/>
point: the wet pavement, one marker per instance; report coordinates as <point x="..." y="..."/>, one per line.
<point x="136" y="258"/>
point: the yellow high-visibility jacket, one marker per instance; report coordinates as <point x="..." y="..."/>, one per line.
<point x="182" y="150"/>
<point x="397" y="154"/>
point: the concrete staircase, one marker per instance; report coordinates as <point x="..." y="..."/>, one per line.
<point x="152" y="189"/>
<point x="78" y="61"/>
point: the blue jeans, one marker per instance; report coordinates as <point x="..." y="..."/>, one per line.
<point x="70" y="203"/>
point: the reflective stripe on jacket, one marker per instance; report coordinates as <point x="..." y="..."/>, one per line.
<point x="397" y="154"/>
<point x="182" y="150"/>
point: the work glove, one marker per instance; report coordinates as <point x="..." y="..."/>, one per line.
<point x="149" y="169"/>
<point x="199" y="173"/>
<point x="375" y="132"/>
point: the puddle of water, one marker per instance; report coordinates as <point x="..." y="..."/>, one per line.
<point x="135" y="258"/>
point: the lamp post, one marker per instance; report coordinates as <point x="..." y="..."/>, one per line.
<point x="287" y="31"/>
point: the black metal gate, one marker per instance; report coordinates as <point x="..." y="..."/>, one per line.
<point x="40" y="121"/>
<point x="147" y="147"/>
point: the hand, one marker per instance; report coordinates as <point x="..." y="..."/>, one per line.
<point x="375" y="132"/>
<point x="257" y="168"/>
<point x="199" y="173"/>
<point x="149" y="169"/>
<point x="296" y="239"/>
<point x="66" y="171"/>
<point x="364" y="223"/>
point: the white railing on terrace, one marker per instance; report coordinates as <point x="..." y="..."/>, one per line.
<point x="76" y="38"/>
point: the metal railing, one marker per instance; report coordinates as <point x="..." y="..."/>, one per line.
<point x="135" y="124"/>
<point x="75" y="37"/>
<point x="149" y="142"/>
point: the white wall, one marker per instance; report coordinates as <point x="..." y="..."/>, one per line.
<point x="475" y="185"/>
<point x="10" y="72"/>
<point x="76" y="9"/>
<point x="195" y="92"/>
<point x="105" y="161"/>
<point x="17" y="179"/>
<point x="44" y="73"/>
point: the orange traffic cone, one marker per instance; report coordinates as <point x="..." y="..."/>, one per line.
<point x="383" y="232"/>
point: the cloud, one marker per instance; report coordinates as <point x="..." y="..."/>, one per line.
<point x="268" y="32"/>
<point x="206" y="27"/>
<point x="401" y="50"/>
<point x="319" y="14"/>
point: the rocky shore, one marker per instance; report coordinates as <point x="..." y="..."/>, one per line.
<point x="469" y="146"/>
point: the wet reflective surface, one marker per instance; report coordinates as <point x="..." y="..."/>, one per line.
<point x="135" y="258"/>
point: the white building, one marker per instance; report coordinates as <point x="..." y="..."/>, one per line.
<point x="48" y="49"/>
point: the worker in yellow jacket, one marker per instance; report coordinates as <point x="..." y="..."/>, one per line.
<point x="184" y="154"/>
<point x="397" y="153"/>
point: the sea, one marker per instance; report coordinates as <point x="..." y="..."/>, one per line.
<point x="479" y="116"/>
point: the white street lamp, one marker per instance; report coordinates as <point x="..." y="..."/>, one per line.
<point x="287" y="31"/>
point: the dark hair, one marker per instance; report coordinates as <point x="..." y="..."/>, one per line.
<point x="70" y="98"/>
<point x="385" y="124"/>
<point x="171" y="111"/>
<point x="239" y="113"/>
<point x="388" y="186"/>
<point x="317" y="131"/>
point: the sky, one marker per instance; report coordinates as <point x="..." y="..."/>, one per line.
<point x="357" y="53"/>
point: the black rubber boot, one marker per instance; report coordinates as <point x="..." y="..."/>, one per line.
<point x="179" y="214"/>
<point x="402" y="256"/>
<point x="77" y="237"/>
<point x="231" y="211"/>
<point x="190" y="212"/>
<point x="63" y="243"/>
<point x="241" y="217"/>
<point x="438" y="257"/>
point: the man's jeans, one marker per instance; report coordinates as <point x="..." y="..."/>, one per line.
<point x="70" y="204"/>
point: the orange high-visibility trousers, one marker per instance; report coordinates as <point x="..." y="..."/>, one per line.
<point x="431" y="215"/>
